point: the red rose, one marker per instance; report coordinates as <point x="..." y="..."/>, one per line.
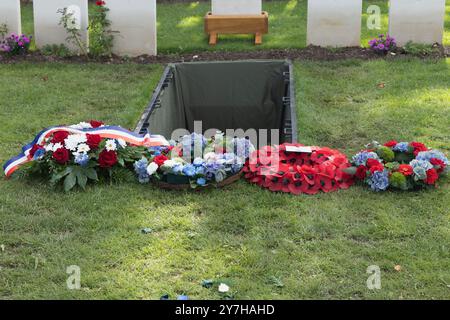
<point x="405" y="169"/>
<point x="93" y="140"/>
<point x="107" y="159"/>
<point x="61" y="156"/>
<point x="95" y="123"/>
<point x="432" y="176"/>
<point x="361" y="172"/>
<point x="418" y="147"/>
<point x="376" y="168"/>
<point x="34" y="149"/>
<point x="439" y="164"/>
<point x="391" y="144"/>
<point x="373" y="163"/>
<point x="100" y="3"/>
<point x="59" y="137"/>
<point x="159" y="160"/>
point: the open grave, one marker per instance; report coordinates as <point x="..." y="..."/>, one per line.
<point x="224" y="95"/>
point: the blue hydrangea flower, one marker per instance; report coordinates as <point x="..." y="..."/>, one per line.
<point x="426" y="165"/>
<point x="178" y="169"/>
<point x="189" y="170"/>
<point x="201" y="181"/>
<point x="243" y="147"/>
<point x="81" y="159"/>
<point x="236" y="167"/>
<point x="432" y="154"/>
<point x="361" y="158"/>
<point x="379" y="181"/>
<point x="156" y="150"/>
<point x="198" y="162"/>
<point x="419" y="173"/>
<point x="401" y="147"/>
<point x="200" y="171"/>
<point x="140" y="167"/>
<point x="211" y="169"/>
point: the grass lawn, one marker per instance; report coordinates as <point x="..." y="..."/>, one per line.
<point x="180" y="21"/>
<point x="316" y="246"/>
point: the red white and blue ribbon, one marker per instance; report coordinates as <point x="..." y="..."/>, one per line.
<point x="106" y="132"/>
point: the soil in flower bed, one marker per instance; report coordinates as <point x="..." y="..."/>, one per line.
<point x="308" y="53"/>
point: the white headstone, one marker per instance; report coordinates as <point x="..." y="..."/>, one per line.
<point x="236" y="7"/>
<point x="47" y="30"/>
<point x="334" y="23"/>
<point x="135" y="24"/>
<point x="10" y="15"/>
<point x="419" y="21"/>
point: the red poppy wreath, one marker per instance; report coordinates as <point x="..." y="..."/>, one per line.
<point x="278" y="168"/>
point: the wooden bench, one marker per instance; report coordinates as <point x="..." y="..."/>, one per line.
<point x="236" y="24"/>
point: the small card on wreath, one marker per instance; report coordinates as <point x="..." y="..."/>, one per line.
<point x="298" y="149"/>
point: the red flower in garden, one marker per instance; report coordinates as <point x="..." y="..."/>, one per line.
<point x="34" y="149"/>
<point x="100" y="3"/>
<point x="432" y="176"/>
<point x="373" y="163"/>
<point x="61" y="156"/>
<point x="418" y="147"/>
<point x="391" y="144"/>
<point x="405" y="169"/>
<point x="159" y="160"/>
<point x="361" y="172"/>
<point x="93" y="140"/>
<point x="107" y="159"/>
<point x="374" y="169"/>
<point x="59" y="137"/>
<point x="95" y="123"/>
<point x="438" y="163"/>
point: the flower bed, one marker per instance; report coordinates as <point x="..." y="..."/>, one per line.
<point x="399" y="165"/>
<point x="311" y="171"/>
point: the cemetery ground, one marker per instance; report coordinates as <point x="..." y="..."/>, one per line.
<point x="264" y="245"/>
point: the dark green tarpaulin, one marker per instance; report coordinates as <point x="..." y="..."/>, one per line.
<point x="223" y="95"/>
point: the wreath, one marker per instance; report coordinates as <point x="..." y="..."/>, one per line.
<point x="398" y="165"/>
<point x="194" y="161"/>
<point x="296" y="169"/>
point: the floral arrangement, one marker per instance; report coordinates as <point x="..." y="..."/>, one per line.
<point x="88" y="151"/>
<point x="15" y="44"/>
<point x="382" y="44"/>
<point x="277" y="168"/>
<point x="195" y="160"/>
<point x="398" y="165"/>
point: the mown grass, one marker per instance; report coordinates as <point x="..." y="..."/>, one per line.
<point x="180" y="26"/>
<point x="317" y="246"/>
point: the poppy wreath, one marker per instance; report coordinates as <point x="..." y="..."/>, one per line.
<point x="398" y="165"/>
<point x="279" y="170"/>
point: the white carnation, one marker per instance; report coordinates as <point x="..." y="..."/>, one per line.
<point x="122" y="143"/>
<point x="111" y="145"/>
<point x="83" y="148"/>
<point x="74" y="140"/>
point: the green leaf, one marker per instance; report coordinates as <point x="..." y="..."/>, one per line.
<point x="91" y="174"/>
<point x="70" y="182"/>
<point x="350" y="170"/>
<point x="81" y="179"/>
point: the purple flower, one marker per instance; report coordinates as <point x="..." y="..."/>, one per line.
<point x="381" y="46"/>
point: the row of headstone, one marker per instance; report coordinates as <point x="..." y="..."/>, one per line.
<point x="334" y="23"/>
<point x="337" y="23"/>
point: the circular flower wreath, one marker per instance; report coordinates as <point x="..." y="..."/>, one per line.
<point x="400" y="165"/>
<point x="275" y="168"/>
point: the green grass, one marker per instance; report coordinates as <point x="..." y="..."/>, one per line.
<point x="318" y="246"/>
<point x="180" y="27"/>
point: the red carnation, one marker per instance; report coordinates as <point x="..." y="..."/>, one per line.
<point x="159" y="160"/>
<point x="418" y="147"/>
<point x="432" y="176"/>
<point x="59" y="137"/>
<point x="405" y="169"/>
<point x="439" y="164"/>
<point x="361" y="172"/>
<point x="107" y="159"/>
<point x="373" y="163"/>
<point x="95" y="123"/>
<point x="93" y="140"/>
<point x="61" y="156"/>
<point x="391" y="144"/>
<point x="34" y="149"/>
<point x="376" y="168"/>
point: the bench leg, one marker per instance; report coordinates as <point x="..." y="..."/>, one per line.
<point x="258" y="38"/>
<point x="213" y="38"/>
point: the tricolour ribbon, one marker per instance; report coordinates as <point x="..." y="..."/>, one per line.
<point x="108" y="132"/>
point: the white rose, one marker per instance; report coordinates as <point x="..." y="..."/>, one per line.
<point x="152" y="168"/>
